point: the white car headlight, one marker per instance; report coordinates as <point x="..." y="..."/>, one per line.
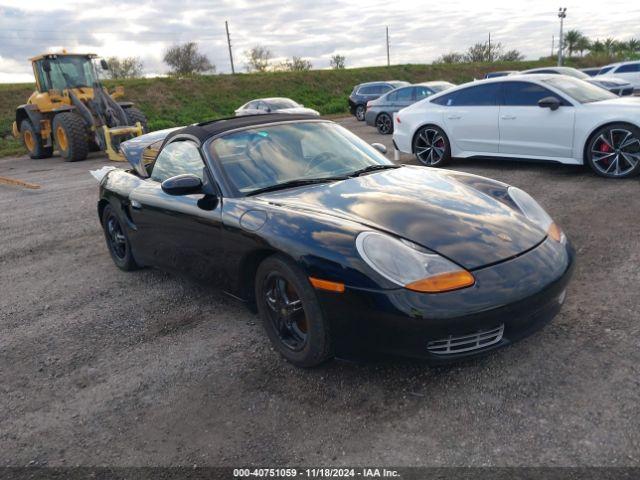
<point x="409" y="265"/>
<point x="534" y="212"/>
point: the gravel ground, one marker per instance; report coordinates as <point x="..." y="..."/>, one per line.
<point x="102" y="367"/>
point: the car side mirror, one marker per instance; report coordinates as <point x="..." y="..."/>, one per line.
<point x="104" y="64"/>
<point x="549" y="102"/>
<point x="185" y="184"/>
<point x="380" y="147"/>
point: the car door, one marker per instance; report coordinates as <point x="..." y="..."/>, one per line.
<point x="404" y="98"/>
<point x="421" y="92"/>
<point x="181" y="233"/>
<point x="629" y="72"/>
<point x="528" y="129"/>
<point x="471" y="118"/>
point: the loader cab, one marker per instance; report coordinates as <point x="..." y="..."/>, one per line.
<point x="62" y="71"/>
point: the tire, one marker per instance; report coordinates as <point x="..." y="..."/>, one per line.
<point x="32" y="141"/>
<point x="431" y="146"/>
<point x="308" y="321"/>
<point x="70" y="135"/>
<point x="613" y="151"/>
<point x="360" y="111"/>
<point x="384" y="124"/>
<point x="135" y="115"/>
<point x="117" y="241"/>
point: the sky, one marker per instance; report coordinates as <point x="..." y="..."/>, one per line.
<point x="419" y="31"/>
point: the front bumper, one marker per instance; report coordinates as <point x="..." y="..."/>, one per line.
<point x="521" y="294"/>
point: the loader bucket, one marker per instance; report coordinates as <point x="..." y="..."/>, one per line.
<point x="109" y="133"/>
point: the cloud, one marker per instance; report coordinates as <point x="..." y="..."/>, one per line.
<point x="419" y="31"/>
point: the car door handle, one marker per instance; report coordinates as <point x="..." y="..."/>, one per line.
<point x="454" y="117"/>
<point x="508" y="117"/>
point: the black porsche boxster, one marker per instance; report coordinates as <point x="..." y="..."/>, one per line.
<point x="339" y="249"/>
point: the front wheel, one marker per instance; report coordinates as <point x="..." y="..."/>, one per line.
<point x="32" y="141"/>
<point x="360" y="111"/>
<point x="290" y="312"/>
<point x="614" y="151"/>
<point x="384" y="124"/>
<point x="431" y="146"/>
<point x="117" y="241"/>
<point x="71" y="138"/>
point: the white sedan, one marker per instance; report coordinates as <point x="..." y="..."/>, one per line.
<point x="538" y="116"/>
<point x="273" y="105"/>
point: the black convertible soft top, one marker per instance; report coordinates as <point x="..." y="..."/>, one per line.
<point x="205" y="130"/>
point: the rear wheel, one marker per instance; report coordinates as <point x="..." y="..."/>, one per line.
<point x="360" y="111"/>
<point x="384" y="124"/>
<point x="614" y="151"/>
<point x="117" y="241"/>
<point x="135" y="115"/>
<point x="431" y="146"/>
<point x="70" y="135"/>
<point x="32" y="141"/>
<point x="291" y="314"/>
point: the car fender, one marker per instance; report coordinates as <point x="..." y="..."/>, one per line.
<point x="586" y="126"/>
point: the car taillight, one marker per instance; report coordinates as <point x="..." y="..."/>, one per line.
<point x="398" y="119"/>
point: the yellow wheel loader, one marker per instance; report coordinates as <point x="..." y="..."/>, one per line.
<point x="72" y="112"/>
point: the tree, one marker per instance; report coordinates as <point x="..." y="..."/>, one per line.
<point x="571" y="39"/>
<point x="128" y="67"/>
<point x="258" y="59"/>
<point x="597" y="47"/>
<point x="633" y="45"/>
<point x="186" y="60"/>
<point x="511" y="56"/>
<point x="610" y="45"/>
<point x="337" y="61"/>
<point x="296" y="64"/>
<point x="451" y="57"/>
<point x="583" y="44"/>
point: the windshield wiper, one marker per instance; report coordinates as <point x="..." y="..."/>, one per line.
<point x="372" y="168"/>
<point x="294" y="183"/>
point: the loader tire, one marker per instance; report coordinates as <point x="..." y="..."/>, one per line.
<point x="33" y="141"/>
<point x="70" y="135"/>
<point x="135" y="115"/>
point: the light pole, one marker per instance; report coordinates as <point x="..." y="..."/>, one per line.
<point x="562" y="14"/>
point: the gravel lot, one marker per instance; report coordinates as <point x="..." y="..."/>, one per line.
<point x="102" y="367"/>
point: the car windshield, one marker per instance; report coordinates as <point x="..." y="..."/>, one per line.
<point x="269" y="156"/>
<point x="579" y="90"/>
<point x="69" y="71"/>
<point x="280" y="103"/>
<point x="572" y="72"/>
<point x="605" y="70"/>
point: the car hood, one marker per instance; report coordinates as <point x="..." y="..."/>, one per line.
<point x="431" y="208"/>
<point x="612" y="80"/>
<point x="626" y="102"/>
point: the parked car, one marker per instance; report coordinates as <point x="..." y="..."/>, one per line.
<point x="365" y="92"/>
<point x="273" y="105"/>
<point x="537" y="116"/>
<point x="336" y="247"/>
<point x="614" y="85"/>
<point x="380" y="111"/>
<point x="591" y="71"/>
<point x="629" y="71"/>
<point x="502" y="73"/>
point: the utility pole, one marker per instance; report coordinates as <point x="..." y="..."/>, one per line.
<point x="553" y="44"/>
<point x="562" y="14"/>
<point x="388" y="59"/>
<point x="226" y="26"/>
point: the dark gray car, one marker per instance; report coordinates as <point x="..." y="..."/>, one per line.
<point x="370" y="91"/>
<point x="380" y="112"/>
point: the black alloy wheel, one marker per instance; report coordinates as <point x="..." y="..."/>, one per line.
<point x="117" y="241"/>
<point x="384" y="124"/>
<point x="290" y="312"/>
<point x="614" y="151"/>
<point x="360" y="111"/>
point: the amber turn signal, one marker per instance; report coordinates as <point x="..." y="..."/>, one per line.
<point x="444" y="282"/>
<point x="555" y="232"/>
<point x="318" y="284"/>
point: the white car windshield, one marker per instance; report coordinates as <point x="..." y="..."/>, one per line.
<point x="579" y="90"/>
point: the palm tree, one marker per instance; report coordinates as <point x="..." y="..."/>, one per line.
<point x="610" y="45"/>
<point x="583" y="44"/>
<point x="571" y="38"/>
<point x="633" y="44"/>
<point x="597" y="47"/>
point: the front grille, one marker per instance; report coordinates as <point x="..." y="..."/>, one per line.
<point x="465" y="343"/>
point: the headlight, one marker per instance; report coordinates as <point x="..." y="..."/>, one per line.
<point x="409" y="265"/>
<point x="534" y="212"/>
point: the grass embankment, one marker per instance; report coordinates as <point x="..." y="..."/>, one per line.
<point x="169" y="102"/>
